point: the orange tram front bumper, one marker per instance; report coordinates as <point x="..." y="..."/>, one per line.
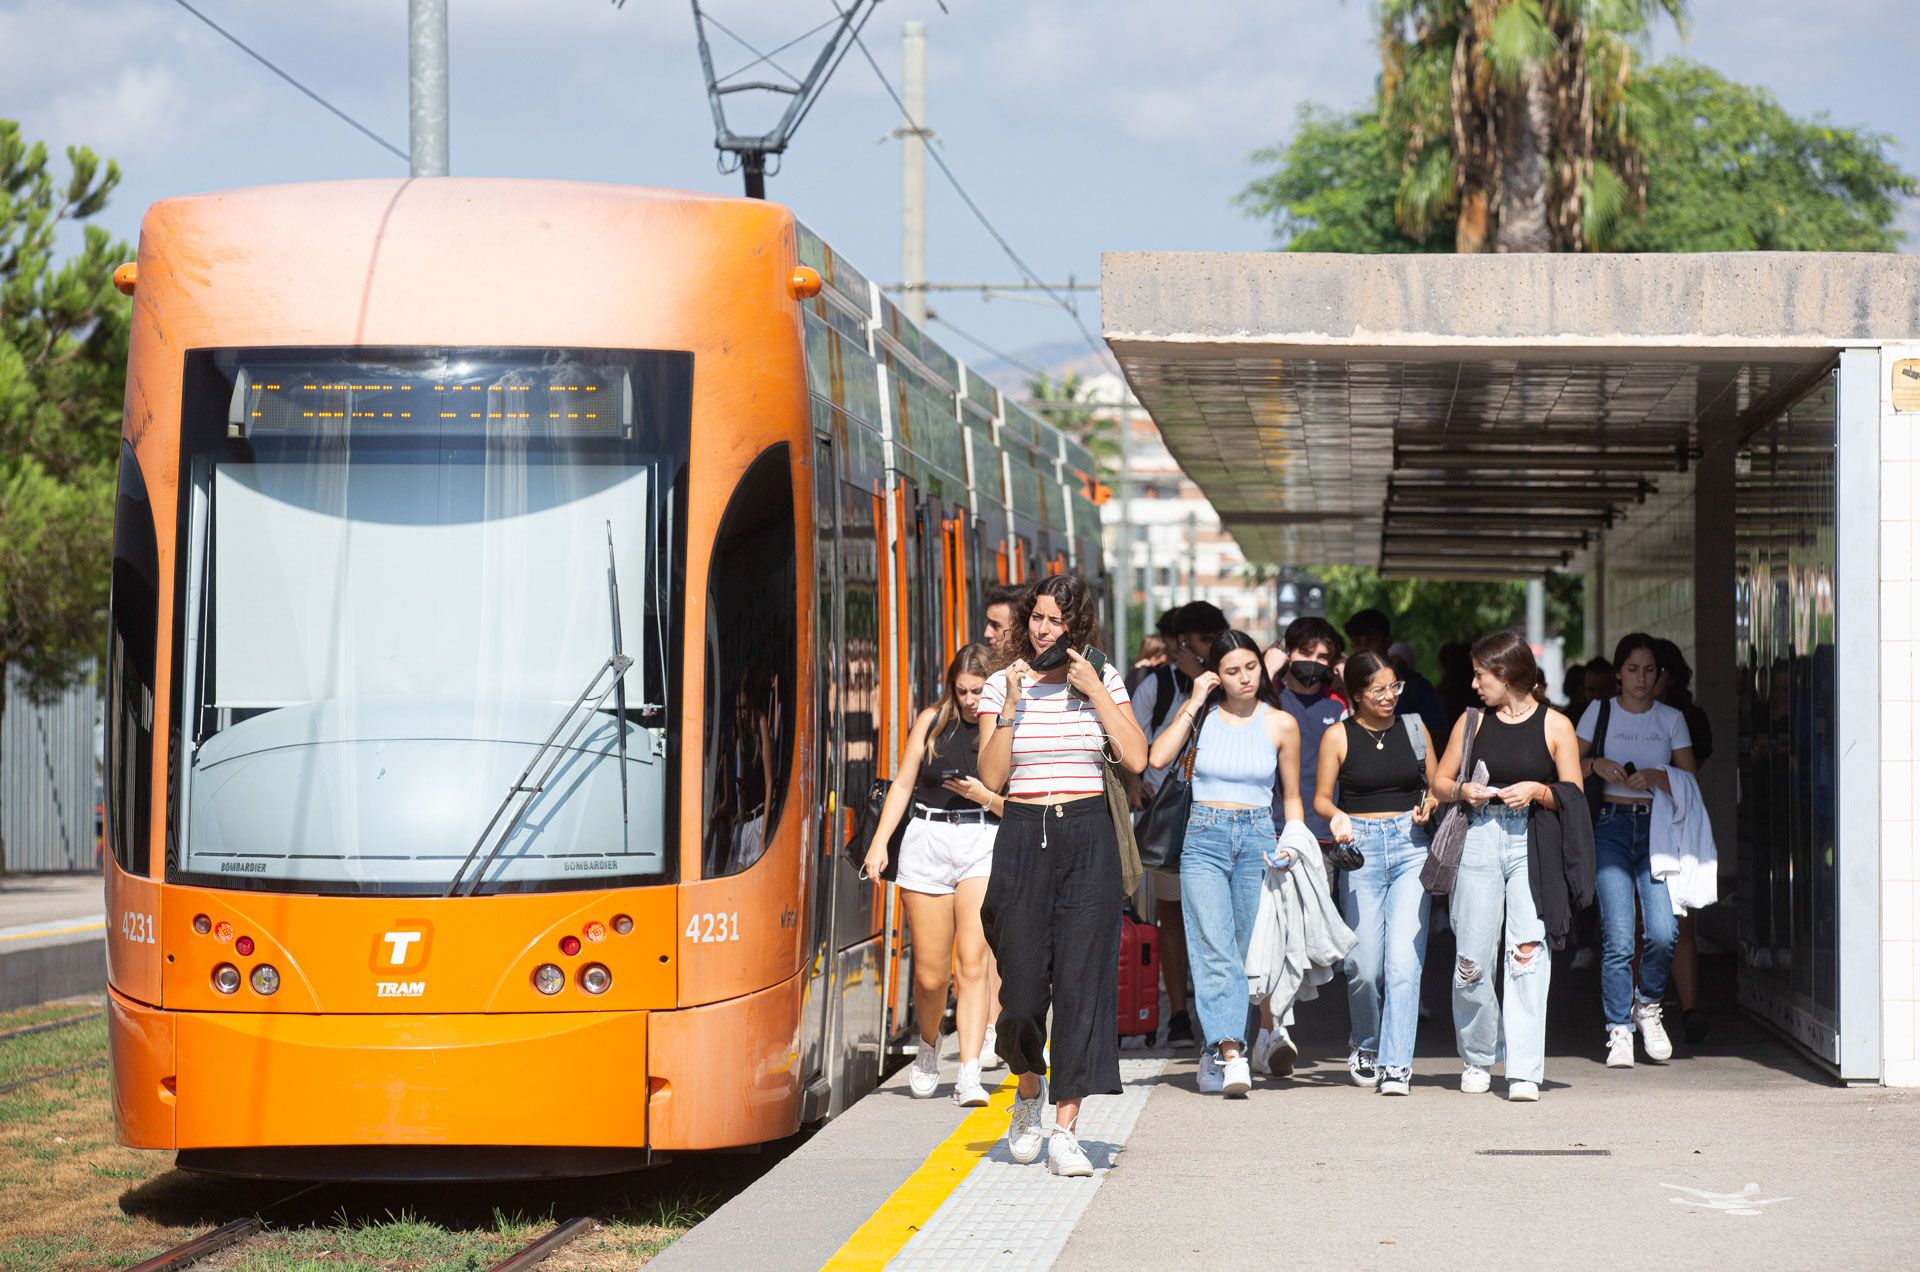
<point x="216" y="1085"/>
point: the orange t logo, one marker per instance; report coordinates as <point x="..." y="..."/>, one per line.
<point x="402" y="948"/>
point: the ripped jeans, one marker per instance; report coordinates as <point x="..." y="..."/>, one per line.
<point x="1492" y="892"/>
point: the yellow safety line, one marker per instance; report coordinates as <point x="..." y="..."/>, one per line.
<point x="881" y="1237"/>
<point x="65" y="931"/>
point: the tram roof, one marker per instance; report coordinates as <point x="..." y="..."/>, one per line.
<point x="1345" y="409"/>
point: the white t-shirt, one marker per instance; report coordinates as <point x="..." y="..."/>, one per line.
<point x="1647" y="740"/>
<point x="1059" y="744"/>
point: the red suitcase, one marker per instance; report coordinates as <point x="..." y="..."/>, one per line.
<point x="1139" y="978"/>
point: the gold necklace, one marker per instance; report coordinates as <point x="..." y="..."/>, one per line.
<point x="1379" y="739"/>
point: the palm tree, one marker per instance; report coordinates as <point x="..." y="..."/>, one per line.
<point x="1518" y="116"/>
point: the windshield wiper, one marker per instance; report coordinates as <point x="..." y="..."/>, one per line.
<point x="619" y="684"/>
<point x="590" y="700"/>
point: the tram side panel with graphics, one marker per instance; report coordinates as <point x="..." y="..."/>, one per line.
<point x="504" y="642"/>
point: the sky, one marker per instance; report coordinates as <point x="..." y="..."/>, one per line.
<point x="1077" y="125"/>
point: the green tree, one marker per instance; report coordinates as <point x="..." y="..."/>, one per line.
<point x="1429" y="613"/>
<point x="63" y="355"/>
<point x="1331" y="189"/>
<point x="1064" y="403"/>
<point x="1729" y="170"/>
<point x="1516" y="119"/>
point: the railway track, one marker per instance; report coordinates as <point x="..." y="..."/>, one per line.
<point x="50" y="1025"/>
<point x="190" y="1252"/>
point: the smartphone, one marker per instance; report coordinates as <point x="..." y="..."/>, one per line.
<point x="949" y="774"/>
<point x="1627" y="768"/>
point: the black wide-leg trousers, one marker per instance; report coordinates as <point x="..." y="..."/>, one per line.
<point x="1052" y="918"/>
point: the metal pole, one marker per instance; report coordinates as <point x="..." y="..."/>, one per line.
<point x="427" y="86"/>
<point x="1123" y="489"/>
<point x="1536" y="612"/>
<point x="913" y="169"/>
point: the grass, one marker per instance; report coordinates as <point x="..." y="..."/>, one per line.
<point x="70" y="1198"/>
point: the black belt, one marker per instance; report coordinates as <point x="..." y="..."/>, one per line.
<point x="962" y="815"/>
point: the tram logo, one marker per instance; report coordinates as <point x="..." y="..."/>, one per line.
<point x="403" y="947"/>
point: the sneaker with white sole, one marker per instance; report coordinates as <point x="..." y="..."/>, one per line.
<point x="924" y="1078"/>
<point x="1364" y="1068"/>
<point x="1523" y="1092"/>
<point x="1236" y="1078"/>
<point x="1209" y="1078"/>
<point x="1620" y="1047"/>
<point x="1026" y="1137"/>
<point x="1065" y="1156"/>
<point x="1475" y="1081"/>
<point x="1396" y="1082"/>
<point x="989" y="1056"/>
<point x="1282" y="1055"/>
<point x="967" y="1091"/>
<point x="1258" y="1052"/>
<point x="1653" y="1033"/>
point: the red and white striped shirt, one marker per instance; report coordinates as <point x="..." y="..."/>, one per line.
<point x="1058" y="741"/>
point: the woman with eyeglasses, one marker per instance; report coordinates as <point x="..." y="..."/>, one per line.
<point x="1248" y="744"/>
<point x="1383" y="766"/>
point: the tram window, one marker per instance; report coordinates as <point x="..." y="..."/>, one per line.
<point x="131" y="648"/>
<point x="751" y="640"/>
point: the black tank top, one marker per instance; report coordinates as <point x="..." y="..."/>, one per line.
<point x="955" y="747"/>
<point x="1515" y="752"/>
<point x="1381" y="774"/>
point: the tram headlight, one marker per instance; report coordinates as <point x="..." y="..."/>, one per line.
<point x="265" y="979"/>
<point x="549" y="979"/>
<point x="202" y="924"/>
<point x="622" y="924"/>
<point x="595" y="979"/>
<point x="226" y="978"/>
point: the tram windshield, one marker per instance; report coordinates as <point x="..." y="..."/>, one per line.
<point x="399" y="578"/>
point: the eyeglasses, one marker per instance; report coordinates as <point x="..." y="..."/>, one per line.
<point x="1393" y="690"/>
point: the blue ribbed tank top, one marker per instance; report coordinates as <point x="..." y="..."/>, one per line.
<point x="1235" y="764"/>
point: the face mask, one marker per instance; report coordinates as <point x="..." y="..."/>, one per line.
<point x="1307" y="672"/>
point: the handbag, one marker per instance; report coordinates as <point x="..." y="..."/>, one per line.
<point x="855" y="849"/>
<point x="1122" y="814"/>
<point x="1163" y="827"/>
<point x="1450" y="837"/>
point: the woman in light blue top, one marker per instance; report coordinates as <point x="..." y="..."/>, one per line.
<point x="1246" y="744"/>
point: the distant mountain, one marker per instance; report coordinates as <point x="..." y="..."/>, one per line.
<point x="1055" y="357"/>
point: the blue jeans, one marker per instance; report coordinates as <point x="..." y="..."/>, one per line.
<point x="1222" y="867"/>
<point x="1622" y="869"/>
<point x="1386" y="907"/>
<point x="1492" y="891"/>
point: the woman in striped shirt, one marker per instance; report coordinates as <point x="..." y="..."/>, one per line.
<point x="1052" y="910"/>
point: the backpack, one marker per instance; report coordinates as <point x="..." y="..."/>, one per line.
<point x="1164" y="689"/>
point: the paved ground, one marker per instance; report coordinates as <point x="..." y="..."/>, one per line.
<point x="35" y="900"/>
<point x="1736" y="1155"/>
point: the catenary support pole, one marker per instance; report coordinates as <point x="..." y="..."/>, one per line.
<point x="1537" y="613"/>
<point x="427" y="86"/>
<point x="1123" y="583"/>
<point x="913" y="169"/>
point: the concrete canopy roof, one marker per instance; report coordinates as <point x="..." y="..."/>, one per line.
<point x="1351" y="409"/>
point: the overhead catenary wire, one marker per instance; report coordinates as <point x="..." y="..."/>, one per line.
<point x="1100" y="351"/>
<point x="983" y="346"/>
<point x="240" y="44"/>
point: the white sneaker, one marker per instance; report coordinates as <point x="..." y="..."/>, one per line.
<point x="1282" y="1055"/>
<point x="924" y="1078"/>
<point x="989" y="1056"/>
<point x="1396" y="1082"/>
<point x="1523" y="1092"/>
<point x="967" y="1091"/>
<point x="1262" y="1047"/>
<point x="1236" y="1078"/>
<point x="1210" y="1080"/>
<point x="1620" y="1047"/>
<point x="1025" y="1134"/>
<point x="1364" y="1068"/>
<point x="1066" y="1157"/>
<point x="1475" y="1081"/>
<point x="1653" y="1034"/>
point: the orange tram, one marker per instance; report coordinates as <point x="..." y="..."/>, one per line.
<point x="517" y="589"/>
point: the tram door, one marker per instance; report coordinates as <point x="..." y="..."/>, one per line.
<point x="828" y="640"/>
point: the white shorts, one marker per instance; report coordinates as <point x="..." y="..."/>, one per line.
<point x="936" y="855"/>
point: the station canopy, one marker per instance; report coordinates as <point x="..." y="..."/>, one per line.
<point x="1470" y="416"/>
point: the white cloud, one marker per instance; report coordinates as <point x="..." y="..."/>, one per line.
<point x="135" y="112"/>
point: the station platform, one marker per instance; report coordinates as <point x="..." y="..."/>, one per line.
<point x="1736" y="1154"/>
<point x="53" y="937"/>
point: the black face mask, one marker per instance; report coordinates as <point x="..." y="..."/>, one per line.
<point x="1309" y="673"/>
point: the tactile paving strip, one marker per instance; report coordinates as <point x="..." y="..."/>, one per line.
<point x="1005" y="1215"/>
